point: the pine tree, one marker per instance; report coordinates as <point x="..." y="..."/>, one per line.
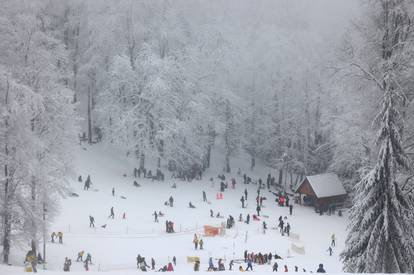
<point x="381" y="237"/>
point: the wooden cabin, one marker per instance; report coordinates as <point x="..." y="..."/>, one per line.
<point x="321" y="191"/>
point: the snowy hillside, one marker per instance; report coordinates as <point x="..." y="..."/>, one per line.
<point x="115" y="247"/>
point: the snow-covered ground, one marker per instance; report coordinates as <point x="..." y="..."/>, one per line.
<point x="115" y="247"/>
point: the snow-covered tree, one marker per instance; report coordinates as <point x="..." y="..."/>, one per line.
<point x="380" y="235"/>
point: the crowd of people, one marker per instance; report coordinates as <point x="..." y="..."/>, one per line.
<point x="250" y="259"/>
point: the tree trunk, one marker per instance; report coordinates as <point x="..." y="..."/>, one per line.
<point x="89" y="116"/>
<point x="280" y="177"/>
<point x="7" y="216"/>
<point x="228" y="169"/>
<point x="142" y="161"/>
<point x="208" y="156"/>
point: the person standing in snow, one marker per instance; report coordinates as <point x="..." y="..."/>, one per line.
<point x="249" y="265"/>
<point x="113" y="191"/>
<point x="320" y="269"/>
<point x="287" y="229"/>
<point x="330" y="251"/>
<point x="87" y="183"/>
<point x="91" y="221"/>
<point x="210" y="264"/>
<point x="231" y="265"/>
<point x="275" y="266"/>
<point x="247" y="218"/>
<point x="211" y="213"/>
<point x="290" y="209"/>
<point x="174" y="260"/>
<point x="195" y="241"/>
<point x="201" y="243"/>
<point x="242" y="201"/>
<point x="53" y="235"/>
<point x="170" y="267"/>
<point x="245" y="194"/>
<point x="197" y="265"/>
<point x="258" y="210"/>
<point x="204" y="196"/>
<point x="112" y="215"/>
<point x="171" y="200"/>
<point x="152" y="263"/>
<point x="80" y="256"/>
<point x="60" y="236"/>
<point x="88" y="258"/>
<point x="333" y="238"/>
<point x="155" y="216"/>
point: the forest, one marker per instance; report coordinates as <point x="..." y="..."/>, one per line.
<point x="303" y="87"/>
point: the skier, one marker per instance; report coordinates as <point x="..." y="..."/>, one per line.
<point x="275" y="266"/>
<point x="333" y="238"/>
<point x="60" y="236"/>
<point x="242" y="201"/>
<point x="258" y="210"/>
<point x="211" y="213"/>
<point x="320" y="269"/>
<point x="221" y="265"/>
<point x="174" y="260"/>
<point x="112" y="215"/>
<point x="210" y="264"/>
<point x="88" y="258"/>
<point x="296" y="268"/>
<point x="91" y="221"/>
<point x="80" y="256"/>
<point x="171" y="200"/>
<point x="287" y="201"/>
<point x="286" y="268"/>
<point x="247" y="218"/>
<point x="201" y="243"/>
<point x="204" y="196"/>
<point x="152" y="263"/>
<point x="287" y="228"/>
<point x="113" y="191"/>
<point x="87" y="183"/>
<point x="195" y="241"/>
<point x="240" y="217"/>
<point x="244" y="178"/>
<point x="249" y="265"/>
<point x="290" y="209"/>
<point x="53" y="235"/>
<point x="155" y="216"/>
<point x="264" y="227"/>
<point x="245" y="194"/>
<point x="231" y="265"/>
<point x="330" y="251"/>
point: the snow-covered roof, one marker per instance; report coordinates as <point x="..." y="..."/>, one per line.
<point x="326" y="185"/>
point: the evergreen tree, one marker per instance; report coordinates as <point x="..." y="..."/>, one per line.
<point x="381" y="239"/>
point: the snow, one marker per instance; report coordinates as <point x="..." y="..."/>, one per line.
<point x="115" y="248"/>
<point x="326" y="185"/>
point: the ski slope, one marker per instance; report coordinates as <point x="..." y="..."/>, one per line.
<point x="115" y="248"/>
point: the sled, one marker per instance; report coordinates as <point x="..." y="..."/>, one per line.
<point x="28" y="268"/>
<point x="211" y="231"/>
